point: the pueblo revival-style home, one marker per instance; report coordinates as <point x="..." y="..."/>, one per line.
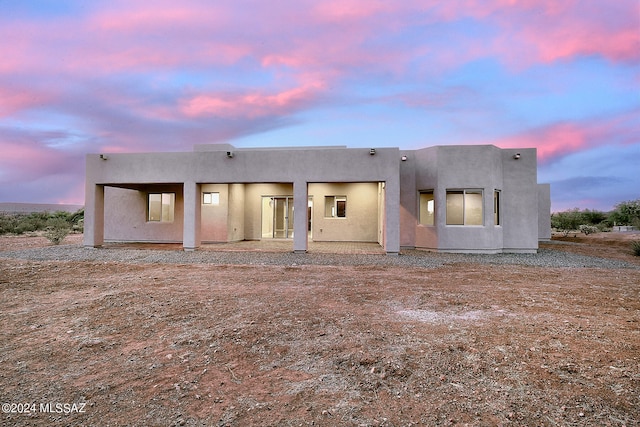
<point x="475" y="198"/>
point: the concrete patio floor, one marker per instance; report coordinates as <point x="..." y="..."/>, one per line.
<point x="282" y="245"/>
<point x="266" y="245"/>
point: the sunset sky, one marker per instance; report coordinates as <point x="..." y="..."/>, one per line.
<point x="81" y="77"/>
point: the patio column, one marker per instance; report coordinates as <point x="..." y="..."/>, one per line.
<point x="392" y="216"/>
<point x="192" y="216"/>
<point x="94" y="215"/>
<point x="300" y="220"/>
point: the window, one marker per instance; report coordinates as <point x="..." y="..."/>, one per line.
<point x="496" y="207"/>
<point x="211" y="199"/>
<point x="335" y="206"/>
<point x="161" y="207"/>
<point x="464" y="207"/>
<point x="427" y="208"/>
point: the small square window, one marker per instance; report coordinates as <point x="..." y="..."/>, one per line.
<point x="211" y="199"/>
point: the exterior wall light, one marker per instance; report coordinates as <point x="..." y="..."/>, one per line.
<point x="516" y="156"/>
<point x="230" y="154"/>
<point x="403" y="158"/>
<point x="372" y="151"/>
<point x="104" y="157"/>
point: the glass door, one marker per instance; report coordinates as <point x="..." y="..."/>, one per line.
<point x="277" y="217"/>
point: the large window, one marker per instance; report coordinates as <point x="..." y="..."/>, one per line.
<point x="161" y="206"/>
<point x="464" y="207"/>
<point x="335" y="206"/>
<point x="427" y="208"/>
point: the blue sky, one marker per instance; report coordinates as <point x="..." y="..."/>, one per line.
<point x="136" y="76"/>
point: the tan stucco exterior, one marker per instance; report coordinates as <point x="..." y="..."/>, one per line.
<point x="318" y="193"/>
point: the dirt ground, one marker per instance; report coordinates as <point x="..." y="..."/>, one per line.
<point x="114" y="344"/>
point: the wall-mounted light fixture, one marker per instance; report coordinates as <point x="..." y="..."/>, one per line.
<point x="372" y="151"/>
<point x="104" y="157"/>
<point x="516" y="156"/>
<point x="230" y="154"/>
<point x="403" y="158"/>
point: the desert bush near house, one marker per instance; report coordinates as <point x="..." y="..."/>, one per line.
<point x="57" y="229"/>
<point x="51" y="223"/>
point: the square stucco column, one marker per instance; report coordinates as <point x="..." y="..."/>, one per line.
<point x="192" y="216"/>
<point x="94" y="215"/>
<point x="392" y="216"/>
<point x="300" y="220"/>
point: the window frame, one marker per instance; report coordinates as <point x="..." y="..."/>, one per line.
<point x="334" y="203"/>
<point x="497" y="208"/>
<point x="466" y="222"/>
<point x="171" y="196"/>
<point x="215" y="201"/>
<point x="430" y="221"/>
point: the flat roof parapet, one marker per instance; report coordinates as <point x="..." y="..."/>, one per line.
<point x="229" y="147"/>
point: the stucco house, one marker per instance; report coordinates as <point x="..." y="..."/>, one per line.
<point x="476" y="198"/>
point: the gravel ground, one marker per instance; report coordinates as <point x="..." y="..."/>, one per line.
<point x="152" y="335"/>
<point x="544" y="258"/>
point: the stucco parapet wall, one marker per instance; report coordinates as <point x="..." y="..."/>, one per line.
<point x="229" y="147"/>
<point x="247" y="165"/>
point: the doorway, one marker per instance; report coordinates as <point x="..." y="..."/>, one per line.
<point x="277" y="217"/>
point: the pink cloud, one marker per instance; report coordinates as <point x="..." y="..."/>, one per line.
<point x="562" y="30"/>
<point x="327" y="37"/>
<point x="552" y="44"/>
<point x="250" y="105"/>
<point x="15" y="99"/>
<point x="115" y="38"/>
<point x="552" y="141"/>
<point x="351" y="10"/>
<point x="564" y="138"/>
<point x="140" y="18"/>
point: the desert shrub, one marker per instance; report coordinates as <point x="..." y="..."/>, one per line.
<point x="76" y="220"/>
<point x="626" y="213"/>
<point x="586" y="221"/>
<point x="38" y="221"/>
<point x="56" y="230"/>
<point x="78" y="227"/>
<point x="592" y="217"/>
<point x="588" y="229"/>
<point x="7" y="223"/>
<point x="635" y="247"/>
<point x="31" y="222"/>
<point x="566" y="221"/>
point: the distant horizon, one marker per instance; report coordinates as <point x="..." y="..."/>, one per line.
<point x="21" y="207"/>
